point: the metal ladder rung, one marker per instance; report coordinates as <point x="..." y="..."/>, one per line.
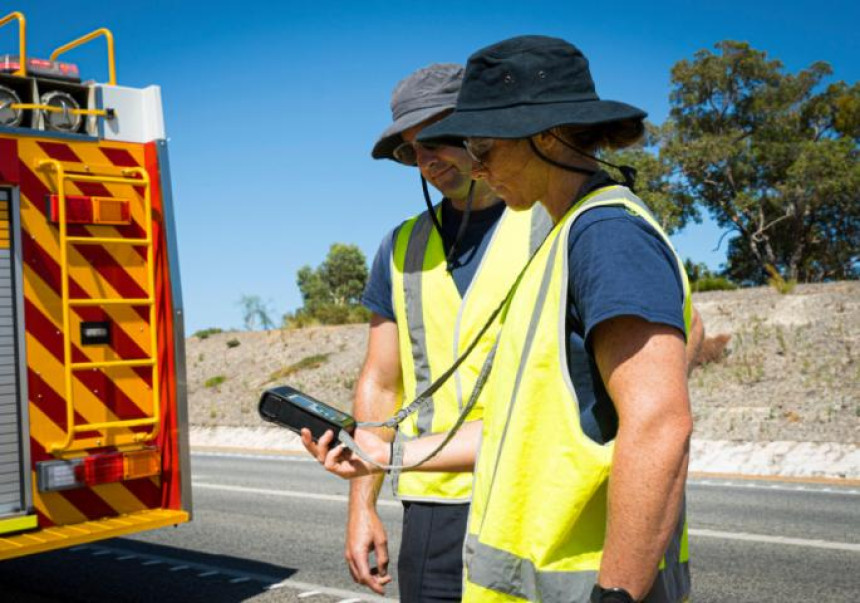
<point x="112" y="302"/>
<point x="115" y="424"/>
<point x="103" y="240"/>
<point x="78" y="366"/>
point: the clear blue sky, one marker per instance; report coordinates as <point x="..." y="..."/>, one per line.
<point x="272" y="107"/>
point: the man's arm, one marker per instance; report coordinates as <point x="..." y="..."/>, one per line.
<point x="644" y="368"/>
<point x="377" y="396"/>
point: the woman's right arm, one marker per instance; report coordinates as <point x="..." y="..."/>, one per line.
<point x="458" y="455"/>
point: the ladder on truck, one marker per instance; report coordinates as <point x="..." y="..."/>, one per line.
<point x="137" y="177"/>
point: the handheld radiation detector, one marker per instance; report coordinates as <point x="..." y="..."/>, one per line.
<point x="290" y="408"/>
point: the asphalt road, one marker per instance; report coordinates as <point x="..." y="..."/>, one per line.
<point x="271" y="529"/>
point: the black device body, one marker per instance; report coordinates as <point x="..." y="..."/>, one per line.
<point x="290" y="408"/>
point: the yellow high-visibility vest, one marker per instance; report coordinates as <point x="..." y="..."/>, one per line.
<point x="538" y="517"/>
<point x="435" y="325"/>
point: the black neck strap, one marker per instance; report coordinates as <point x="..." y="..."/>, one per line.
<point x="464" y="222"/>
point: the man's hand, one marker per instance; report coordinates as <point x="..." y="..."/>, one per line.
<point x="365" y="534"/>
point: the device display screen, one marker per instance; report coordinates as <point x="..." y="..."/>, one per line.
<point x="319" y="409"/>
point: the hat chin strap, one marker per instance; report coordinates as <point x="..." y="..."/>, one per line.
<point x="627" y="171"/>
<point x="464" y="222"/>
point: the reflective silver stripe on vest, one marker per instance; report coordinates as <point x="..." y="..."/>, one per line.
<point x="413" y="268"/>
<point x="504" y="572"/>
<point x="541" y="225"/>
<point x="530" y="335"/>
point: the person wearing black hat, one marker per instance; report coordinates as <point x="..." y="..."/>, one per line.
<point x="434" y="276"/>
<point x="584" y="443"/>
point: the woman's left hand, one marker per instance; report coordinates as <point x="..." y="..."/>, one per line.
<point x="340" y="460"/>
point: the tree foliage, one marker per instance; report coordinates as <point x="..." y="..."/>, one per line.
<point x="656" y="178"/>
<point x="331" y="293"/>
<point x="773" y="157"/>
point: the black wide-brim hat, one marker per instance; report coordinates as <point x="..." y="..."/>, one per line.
<point x="525" y="85"/>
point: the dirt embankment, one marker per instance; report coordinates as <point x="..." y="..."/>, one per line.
<point x="791" y="369"/>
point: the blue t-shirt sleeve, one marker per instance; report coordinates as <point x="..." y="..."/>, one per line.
<point x="377" y="292"/>
<point x="619" y="265"/>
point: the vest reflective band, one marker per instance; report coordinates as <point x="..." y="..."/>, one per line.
<point x="435" y="325"/>
<point x="538" y="515"/>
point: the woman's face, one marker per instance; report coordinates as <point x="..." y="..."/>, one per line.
<point x="511" y="170"/>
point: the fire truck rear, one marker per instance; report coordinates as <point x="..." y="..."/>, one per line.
<point x="93" y="420"/>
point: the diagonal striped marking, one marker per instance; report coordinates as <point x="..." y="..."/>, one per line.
<point x="50" y="335"/>
<point x="43" y="264"/>
<point x="49" y="402"/>
<point x="88" y="408"/>
<point x="42" y="334"/>
<point x="119" y="157"/>
<point x="120" y="498"/>
<point x="59" y="151"/>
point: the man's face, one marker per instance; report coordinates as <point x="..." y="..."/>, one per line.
<point x="447" y="168"/>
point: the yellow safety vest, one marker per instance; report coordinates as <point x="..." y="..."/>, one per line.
<point x="435" y="325"/>
<point x="538" y="517"/>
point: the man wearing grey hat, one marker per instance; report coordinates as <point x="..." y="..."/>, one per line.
<point x="435" y="280"/>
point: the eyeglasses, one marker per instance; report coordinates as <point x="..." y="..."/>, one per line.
<point x="407" y="152"/>
<point x="479" y="148"/>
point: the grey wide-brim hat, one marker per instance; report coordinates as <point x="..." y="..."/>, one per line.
<point x="421" y="96"/>
<point x="525" y="85"/>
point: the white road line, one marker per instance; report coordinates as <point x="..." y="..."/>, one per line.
<point x="286" y="493"/>
<point x="290" y="458"/>
<point x="782" y="540"/>
<point x="773" y="487"/>
<point x="310" y="593"/>
<point x="269" y="581"/>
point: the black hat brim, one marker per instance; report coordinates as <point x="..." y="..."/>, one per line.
<point x="523" y="121"/>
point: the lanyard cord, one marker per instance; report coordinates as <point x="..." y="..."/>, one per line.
<point x="461" y="230"/>
<point x="423" y="399"/>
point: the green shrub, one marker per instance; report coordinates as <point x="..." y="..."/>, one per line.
<point x="308" y="362"/>
<point x="713" y="283"/>
<point x="299" y="320"/>
<point x="204" y="333"/>
<point x="215" y="381"/>
<point x="776" y="281"/>
<point x="233" y="343"/>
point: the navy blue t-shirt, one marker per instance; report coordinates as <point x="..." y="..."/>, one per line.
<point x="470" y="250"/>
<point x="618" y="266"/>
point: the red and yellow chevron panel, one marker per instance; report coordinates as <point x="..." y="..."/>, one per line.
<point x="104" y="270"/>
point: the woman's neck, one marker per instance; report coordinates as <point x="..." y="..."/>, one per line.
<point x="562" y="188"/>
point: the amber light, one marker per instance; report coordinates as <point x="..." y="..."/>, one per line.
<point x="83" y="209"/>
